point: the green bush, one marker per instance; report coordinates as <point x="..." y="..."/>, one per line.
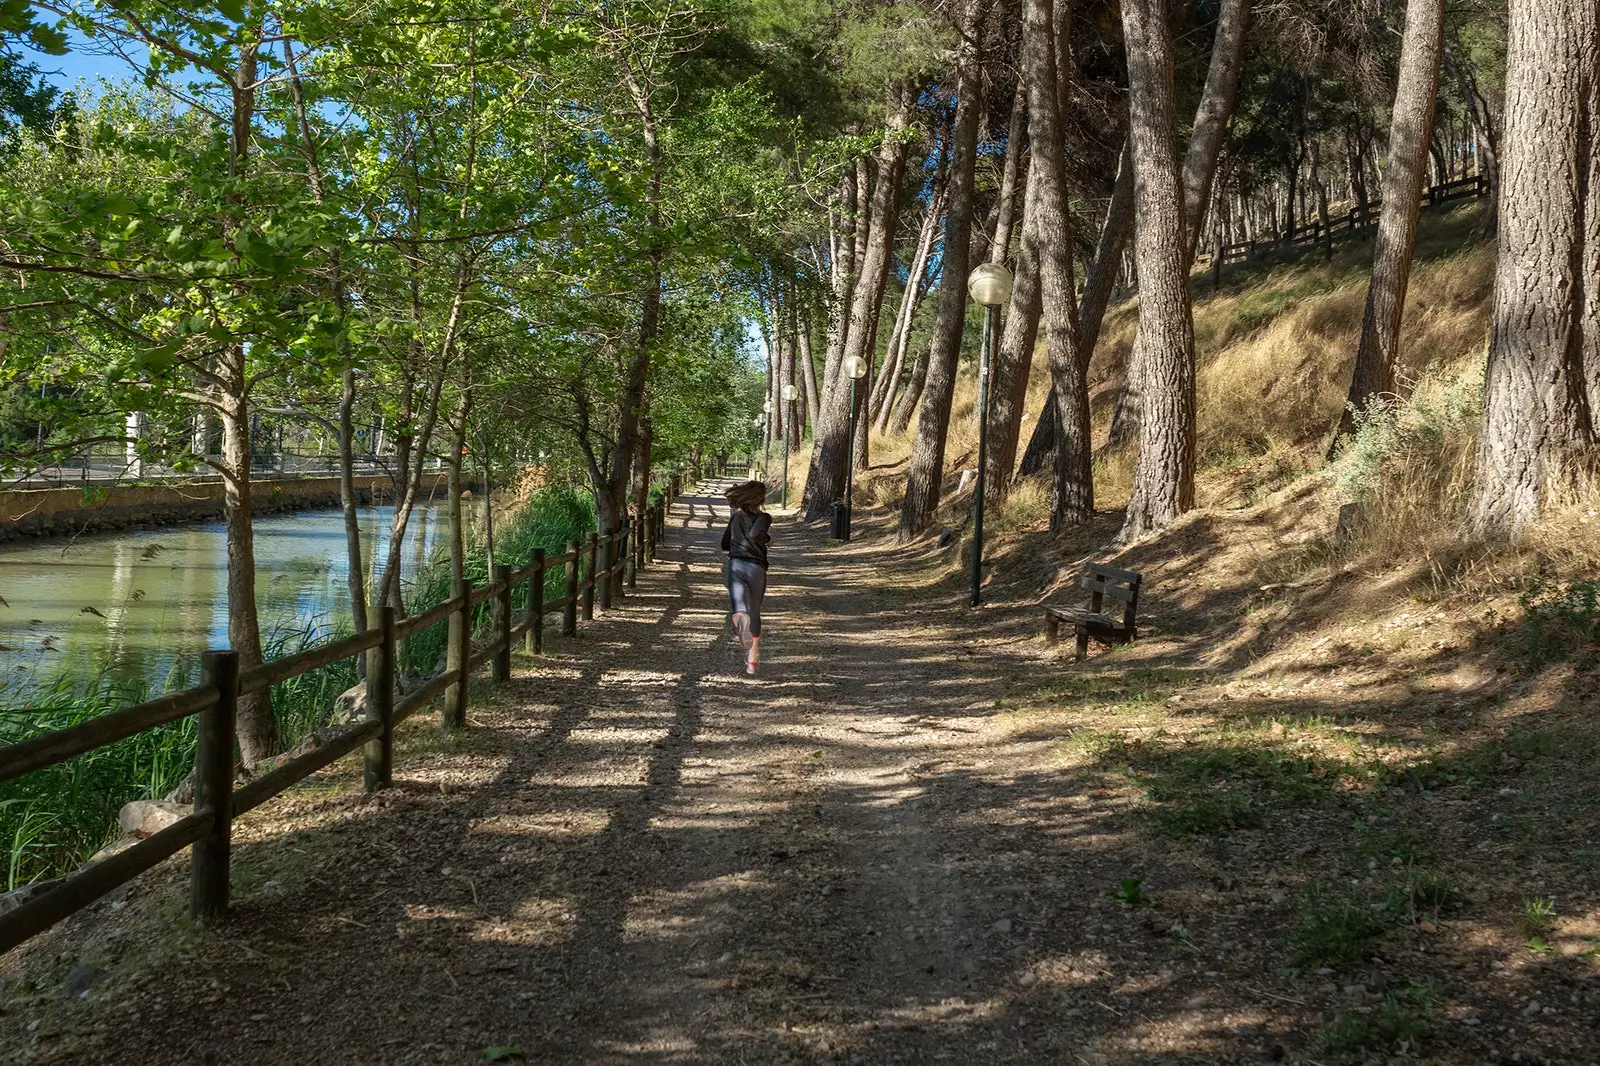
<point x="1561" y="620"/>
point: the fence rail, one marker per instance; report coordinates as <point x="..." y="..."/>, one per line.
<point x="1353" y="220"/>
<point x="613" y="560"/>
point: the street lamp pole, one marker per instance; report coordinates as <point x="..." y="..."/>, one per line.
<point x="789" y="393"/>
<point x="766" y="440"/>
<point x="855" y="369"/>
<point x="990" y="284"/>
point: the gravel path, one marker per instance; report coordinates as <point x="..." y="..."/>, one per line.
<point x="637" y="855"/>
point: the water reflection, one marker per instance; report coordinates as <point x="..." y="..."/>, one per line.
<point x="135" y="603"/>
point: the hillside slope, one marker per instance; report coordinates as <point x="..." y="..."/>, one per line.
<point x="1378" y="738"/>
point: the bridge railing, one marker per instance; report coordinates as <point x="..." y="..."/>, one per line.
<point x="603" y="565"/>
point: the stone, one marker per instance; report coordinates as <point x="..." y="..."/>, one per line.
<point x="1004" y="925"/>
<point x="350" y="706"/>
<point x="80" y="979"/>
<point x="143" y="818"/>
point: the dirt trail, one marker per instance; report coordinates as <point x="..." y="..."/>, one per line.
<point x="637" y="855"/>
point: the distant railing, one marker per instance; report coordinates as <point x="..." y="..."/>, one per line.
<point x="610" y="562"/>
<point x="117" y="467"/>
<point x="1353" y="221"/>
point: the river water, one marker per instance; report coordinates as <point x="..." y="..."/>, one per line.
<point x="132" y="604"/>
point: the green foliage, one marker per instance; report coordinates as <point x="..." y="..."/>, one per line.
<point x="1560" y="621"/>
<point x="1208" y="814"/>
<point x="1537" y="917"/>
<point x="1338" y="931"/>
<point x="1396" y="1025"/>
<point x="1130" y="892"/>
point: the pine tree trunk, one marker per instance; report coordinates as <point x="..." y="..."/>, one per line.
<point x="1006" y="207"/>
<point x="906" y="408"/>
<point x="924" y="480"/>
<point x="833" y="448"/>
<point x="1211" y="120"/>
<point x="1164" y="478"/>
<point x="1410" y="135"/>
<point x="1045" y="39"/>
<point x="1013" y="359"/>
<point x="910" y="300"/>
<point x="1535" y="416"/>
<point x="1098" y="284"/>
<point x="808" y="365"/>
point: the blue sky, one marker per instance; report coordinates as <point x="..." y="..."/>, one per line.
<point x="81" y="63"/>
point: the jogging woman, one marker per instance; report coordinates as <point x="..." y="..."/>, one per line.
<point x="745" y="540"/>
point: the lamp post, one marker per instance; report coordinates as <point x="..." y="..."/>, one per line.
<point x="990" y="285"/>
<point x="855" y="368"/>
<point x="789" y="393"/>
<point x="766" y="441"/>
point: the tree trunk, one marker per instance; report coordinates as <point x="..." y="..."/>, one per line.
<point x="1097" y="286"/>
<point x="925" y="477"/>
<point x="910" y="300"/>
<point x="832" y="449"/>
<point x="1164" y="478"/>
<point x="1409" y="137"/>
<point x="1012" y="362"/>
<point x="1488" y="134"/>
<point x="457" y="487"/>
<point x="841" y="284"/>
<point x="1211" y="120"/>
<point x="611" y="496"/>
<point x="1006" y="208"/>
<point x="1320" y="185"/>
<point x="1534" y="406"/>
<point x="808" y="365"/>
<point x="1048" y="66"/>
<point x="912" y="396"/>
<point x="641" y="469"/>
<point x="349" y="500"/>
<point x="256" y="725"/>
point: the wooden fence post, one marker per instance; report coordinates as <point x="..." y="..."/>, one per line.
<point x="635" y="542"/>
<point x="608" y="555"/>
<point x="569" y="613"/>
<point x="649" y="545"/>
<point x="213" y="787"/>
<point x="591" y="548"/>
<point x="378" y="758"/>
<point x="460" y="650"/>
<point x="535" y="643"/>
<point x="624" y="555"/>
<point x="501" y="670"/>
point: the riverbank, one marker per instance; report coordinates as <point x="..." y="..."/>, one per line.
<point x="161" y="601"/>
<point x="95" y="508"/>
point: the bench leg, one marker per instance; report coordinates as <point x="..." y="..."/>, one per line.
<point x="1083" y="645"/>
<point x="1052" y="630"/>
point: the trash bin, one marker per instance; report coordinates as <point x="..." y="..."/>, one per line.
<point x="841" y="520"/>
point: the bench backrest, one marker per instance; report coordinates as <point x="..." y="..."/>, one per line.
<point x="1107" y="582"/>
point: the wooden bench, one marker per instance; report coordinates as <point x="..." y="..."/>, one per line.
<point x="1103" y="582"/>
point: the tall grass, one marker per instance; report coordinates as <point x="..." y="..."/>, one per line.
<point x="54" y="819"/>
<point x="550" y="518"/>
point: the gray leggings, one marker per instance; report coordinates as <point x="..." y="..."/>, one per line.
<point x="747" y="583"/>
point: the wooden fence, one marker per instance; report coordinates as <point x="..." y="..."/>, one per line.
<point x="1353" y="221"/>
<point x="608" y="563"/>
